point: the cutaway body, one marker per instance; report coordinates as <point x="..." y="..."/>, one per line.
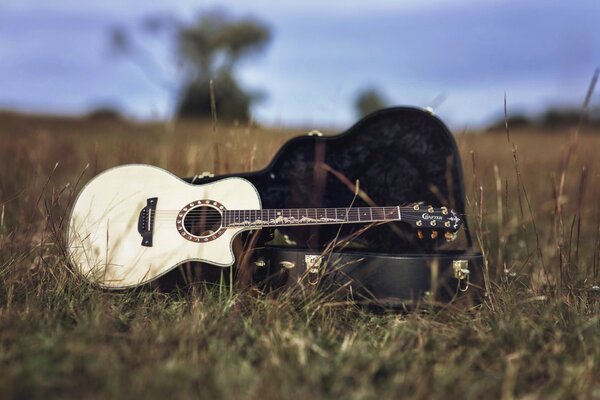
<point x="108" y="224"/>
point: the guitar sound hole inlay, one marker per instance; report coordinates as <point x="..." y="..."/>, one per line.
<point x="201" y="221"/>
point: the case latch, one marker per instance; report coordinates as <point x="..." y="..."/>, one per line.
<point x="313" y="264"/>
<point x="461" y="272"/>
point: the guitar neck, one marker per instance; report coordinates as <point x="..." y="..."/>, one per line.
<point x="312" y="216"/>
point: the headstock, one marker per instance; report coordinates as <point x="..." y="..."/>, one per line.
<point x="432" y="219"/>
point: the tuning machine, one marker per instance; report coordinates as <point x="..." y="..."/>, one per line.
<point x="450" y="236"/>
<point x="420" y="234"/>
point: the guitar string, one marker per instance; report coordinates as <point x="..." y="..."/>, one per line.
<point x="210" y="216"/>
<point x="288" y="213"/>
<point x="244" y="222"/>
<point x="261" y="216"/>
<point x="352" y="218"/>
<point x="320" y="217"/>
<point x="392" y="208"/>
<point x="301" y="213"/>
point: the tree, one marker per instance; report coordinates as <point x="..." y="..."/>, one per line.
<point x="369" y="100"/>
<point x="211" y="49"/>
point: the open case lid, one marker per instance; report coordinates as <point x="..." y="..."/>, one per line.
<point x="398" y="156"/>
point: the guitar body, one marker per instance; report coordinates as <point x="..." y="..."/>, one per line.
<point x="104" y="241"/>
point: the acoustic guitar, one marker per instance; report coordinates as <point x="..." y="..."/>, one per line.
<point x="133" y="223"/>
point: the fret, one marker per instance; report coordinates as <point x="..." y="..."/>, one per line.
<point x="328" y="213"/>
<point x="352" y="214"/>
<point x="377" y="214"/>
<point x="343" y="214"/>
<point x="362" y="214"/>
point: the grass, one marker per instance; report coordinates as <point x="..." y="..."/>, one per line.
<point x="533" y="198"/>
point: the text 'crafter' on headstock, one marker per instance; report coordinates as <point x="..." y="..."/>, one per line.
<point x="434" y="219"/>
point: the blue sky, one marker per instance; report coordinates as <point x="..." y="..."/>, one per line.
<point x="55" y="56"/>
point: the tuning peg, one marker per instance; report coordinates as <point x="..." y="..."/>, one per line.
<point x="434" y="234"/>
<point x="430" y="209"/>
<point x="450" y="236"/>
<point x="419" y="223"/>
<point x="420" y="234"/>
<point x="445" y="210"/>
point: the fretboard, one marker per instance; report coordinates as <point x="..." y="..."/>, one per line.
<point x="310" y="216"/>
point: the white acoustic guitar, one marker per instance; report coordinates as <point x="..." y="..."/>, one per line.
<point x="133" y="223"/>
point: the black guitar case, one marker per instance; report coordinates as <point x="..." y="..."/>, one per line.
<point x="395" y="156"/>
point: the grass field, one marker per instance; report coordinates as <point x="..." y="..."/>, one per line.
<point x="532" y="196"/>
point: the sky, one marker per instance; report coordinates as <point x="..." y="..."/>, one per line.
<point x="458" y="56"/>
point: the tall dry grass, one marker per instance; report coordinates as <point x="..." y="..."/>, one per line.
<point x="532" y="196"/>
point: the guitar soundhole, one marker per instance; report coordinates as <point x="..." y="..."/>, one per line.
<point x="202" y="221"/>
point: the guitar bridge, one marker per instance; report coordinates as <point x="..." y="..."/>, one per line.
<point x="146" y="221"/>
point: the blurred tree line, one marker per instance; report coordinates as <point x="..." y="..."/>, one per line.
<point x="551" y="119"/>
<point x="208" y="51"/>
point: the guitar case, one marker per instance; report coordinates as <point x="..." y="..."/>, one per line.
<point x="395" y="156"/>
